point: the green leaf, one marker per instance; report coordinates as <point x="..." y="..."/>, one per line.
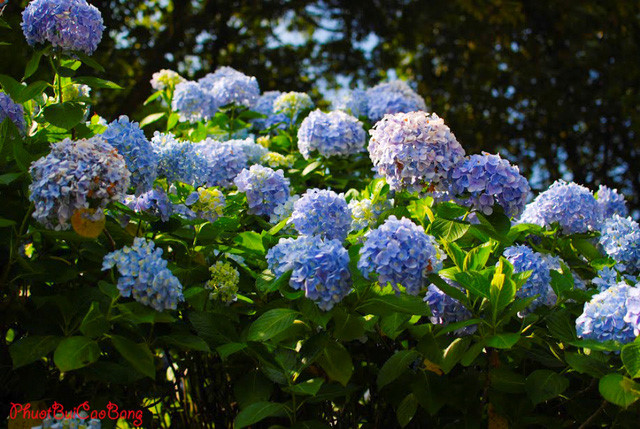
<point x="251" y="388"/>
<point x="502" y="341"/>
<point x="448" y="230"/>
<point x="503" y="289"/>
<point x="308" y="387"/>
<point x="271" y="323"/>
<point x="386" y="304"/>
<point x="186" y="342"/>
<point x="631" y="359"/>
<point x="619" y="390"/>
<point x="64" y="115"/>
<point x="6" y="179"/>
<point x="311" y="167"/>
<point x="257" y="412"/>
<point x="451" y="211"/>
<point x="32" y="91"/>
<point x="336" y="361"/>
<point x="33" y="64"/>
<point x="95" y="82"/>
<point x="11" y="86"/>
<point x="138" y="355"/>
<point x="30" y="349"/>
<point x="86" y="59"/>
<point x="153" y="97"/>
<point x="603" y="346"/>
<point x="395" y="366"/>
<point x="151" y="119"/>
<point x="543" y="384"/>
<point x="474" y="282"/>
<point x="348" y="326"/>
<point x="94" y="323"/>
<point x="75" y="352"/>
<point x="3" y="24"/>
<point x="561" y="327"/>
<point x="172" y="121"/>
<point x="477" y="258"/>
<point x="454" y="353"/>
<point x="228" y="349"/>
<point x="108" y="289"/>
<point x="407" y="409"/>
<point x="592" y="364"/>
<point x="506" y="380"/>
<point x="250" y="240"/>
<point x="5" y="223"/>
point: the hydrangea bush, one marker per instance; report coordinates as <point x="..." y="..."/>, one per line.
<point x="216" y="276"/>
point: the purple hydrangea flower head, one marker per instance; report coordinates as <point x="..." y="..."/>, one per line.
<point x="319" y="267"/>
<point x="251" y="149"/>
<point x="413" y="150"/>
<point x="446" y="310"/>
<point x="229" y="86"/>
<point x="69" y="25"/>
<point x="488" y="180"/>
<point x="570" y="205"/>
<point x="620" y="239"/>
<point x="392" y="97"/>
<point x="76" y="175"/>
<point x="401" y="253"/>
<point x="129" y="140"/>
<point x="176" y="159"/>
<point x="355" y="103"/>
<point x="155" y="202"/>
<point x="323" y="213"/>
<point x="264" y="187"/>
<point x="524" y="259"/>
<point x="611" y="202"/>
<point x="611" y="315"/>
<point x="331" y="134"/>
<point x="217" y="164"/>
<point x="13" y="111"/>
<point x="193" y="102"/>
<point x="144" y="275"/>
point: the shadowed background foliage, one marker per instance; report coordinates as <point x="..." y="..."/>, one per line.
<point x="551" y="85"/>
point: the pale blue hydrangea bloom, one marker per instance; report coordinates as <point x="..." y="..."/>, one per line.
<point x="620" y="239"/>
<point x="155" y="202"/>
<point x="264" y="106"/>
<point x="130" y="141"/>
<point x="193" y="102"/>
<point x="570" y="205"/>
<point x="323" y="213"/>
<point x="13" y="111"/>
<point x="292" y="103"/>
<point x="611" y="315"/>
<point x="611" y="202"/>
<point x="176" y="158"/>
<point x="331" y="134"/>
<point x="217" y="164"/>
<point x="606" y="278"/>
<point x="284" y="211"/>
<point x="524" y="259"/>
<point x="392" y="97"/>
<point x="165" y="79"/>
<point x="413" y="150"/>
<point x="488" y="180"/>
<point x="355" y="103"/>
<point x="229" y="86"/>
<point x="319" y="267"/>
<point x="446" y="310"/>
<point x="365" y="214"/>
<point x="254" y="151"/>
<point x="76" y="175"/>
<point x="144" y="275"/>
<point x="264" y="187"/>
<point x="69" y="25"/>
<point x="401" y="253"/>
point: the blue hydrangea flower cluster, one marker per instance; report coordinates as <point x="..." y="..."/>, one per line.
<point x="13" y="111"/>
<point x="392" y="97"/>
<point x="323" y="213"/>
<point x="292" y="103"/>
<point x="205" y="203"/>
<point x="446" y="310"/>
<point x="69" y="25"/>
<point x="319" y="267"/>
<point x="165" y="79"/>
<point x="611" y="315"/>
<point x="193" y="102"/>
<point x="331" y="134"/>
<point x="488" y="180"/>
<point x="571" y="205"/>
<point x="176" y="159"/>
<point x="217" y="164"/>
<point x="264" y="187"/>
<point x="254" y="151"/>
<point x="524" y="259"/>
<point x="413" y="150"/>
<point x="131" y="143"/>
<point x="264" y="106"/>
<point x="144" y="275"/>
<point x="155" y="202"/>
<point x="283" y="211"/>
<point x="229" y="86"/>
<point x="401" y="253"/>
<point x="365" y="214"/>
<point x="606" y="278"/>
<point x="355" y="103"/>
<point x="611" y="202"/>
<point x="76" y="175"/>
<point x="620" y="239"/>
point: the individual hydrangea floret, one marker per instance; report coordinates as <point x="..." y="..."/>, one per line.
<point x="524" y="259"/>
<point x="165" y="79"/>
<point x="446" y="310"/>
<point x="205" y="203"/>
<point x="223" y="284"/>
<point x="570" y="205"/>
<point x="620" y="239"/>
<point x="130" y="141"/>
<point x="413" y="150"/>
<point x="229" y="86"/>
<point x="355" y="103"/>
<point x="392" y="97"/>
<point x="331" y="134"/>
<point x="155" y="202"/>
<point x="217" y="164"/>
<point x="486" y="180"/>
<point x="323" y="213"/>
<point x="292" y="103"/>
<point x="68" y="25"/>
<point x="176" y="159"/>
<point x="401" y="253"/>
<point x="76" y="175"/>
<point x="193" y="102"/>
<point x="611" y="315"/>
<point x="254" y="151"/>
<point x="365" y="214"/>
<point x="319" y="267"/>
<point x="144" y="275"/>
<point x="275" y="160"/>
<point x="611" y="202"/>
<point x="13" y="111"/>
<point x="264" y="187"/>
